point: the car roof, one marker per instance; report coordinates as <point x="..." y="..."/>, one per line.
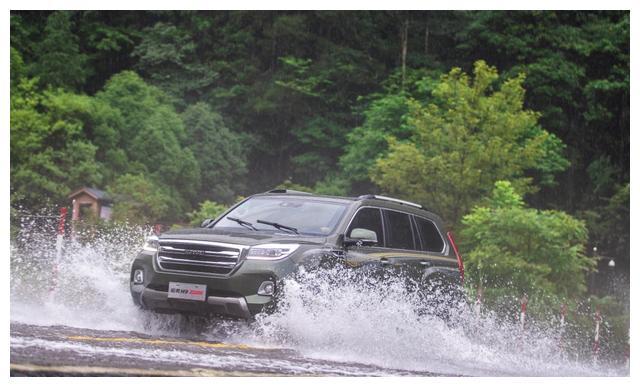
<point x="369" y="200"/>
<point x="300" y="194"/>
<point x="386" y="204"/>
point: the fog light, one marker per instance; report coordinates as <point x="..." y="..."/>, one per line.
<point x="266" y="288"/>
<point x="138" y="276"/>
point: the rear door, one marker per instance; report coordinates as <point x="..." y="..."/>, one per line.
<point x="434" y="257"/>
<point x="402" y="243"/>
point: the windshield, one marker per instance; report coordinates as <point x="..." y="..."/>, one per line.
<point x="306" y="216"/>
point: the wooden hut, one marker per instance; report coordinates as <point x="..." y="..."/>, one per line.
<point x="90" y="203"/>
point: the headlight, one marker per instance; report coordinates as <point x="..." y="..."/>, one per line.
<point x="271" y="251"/>
<point x="152" y="244"/>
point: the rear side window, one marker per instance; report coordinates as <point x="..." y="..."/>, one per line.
<point x="369" y="219"/>
<point x="431" y="239"/>
<point x="399" y="231"/>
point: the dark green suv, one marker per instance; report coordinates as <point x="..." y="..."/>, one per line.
<point x="233" y="265"/>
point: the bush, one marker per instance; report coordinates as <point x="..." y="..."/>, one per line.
<point x="206" y="210"/>
<point x="519" y="250"/>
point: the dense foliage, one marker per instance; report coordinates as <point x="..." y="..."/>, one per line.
<point x="169" y="109"/>
<point x="511" y="246"/>
<point x="467" y="136"/>
<point x="207" y="210"/>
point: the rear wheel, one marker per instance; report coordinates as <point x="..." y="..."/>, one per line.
<point x="441" y="298"/>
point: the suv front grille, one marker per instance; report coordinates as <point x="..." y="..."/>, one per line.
<point x="197" y="257"/>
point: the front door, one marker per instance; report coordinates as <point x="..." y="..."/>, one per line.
<point x="370" y="256"/>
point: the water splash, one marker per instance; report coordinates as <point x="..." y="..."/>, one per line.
<point x="87" y="288"/>
<point x="339" y="315"/>
<point x="335" y="314"/>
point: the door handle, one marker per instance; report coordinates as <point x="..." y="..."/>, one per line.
<point x="384" y="261"/>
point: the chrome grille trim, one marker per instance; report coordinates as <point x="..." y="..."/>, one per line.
<point x="197" y="242"/>
<point x="197" y="257"/>
<point x="233" y="254"/>
<point x="192" y="262"/>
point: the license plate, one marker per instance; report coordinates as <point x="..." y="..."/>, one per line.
<point x="184" y="291"/>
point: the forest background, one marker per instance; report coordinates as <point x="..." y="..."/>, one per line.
<point x="514" y="125"/>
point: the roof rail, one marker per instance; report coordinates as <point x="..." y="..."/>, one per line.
<point x="287" y="191"/>
<point x="380" y="197"/>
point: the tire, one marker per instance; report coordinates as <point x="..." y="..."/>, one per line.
<point x="442" y="299"/>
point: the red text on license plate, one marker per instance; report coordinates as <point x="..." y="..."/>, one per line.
<point x="185" y="291"/>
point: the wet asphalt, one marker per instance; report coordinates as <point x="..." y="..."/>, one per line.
<point x="66" y="351"/>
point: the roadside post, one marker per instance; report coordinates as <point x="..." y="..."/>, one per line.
<point x="563" y="315"/>
<point x="74" y="220"/>
<point x="60" y="236"/>
<point x="59" y="246"/>
<point x="523" y="311"/>
<point x="523" y="316"/>
<point x="477" y="306"/>
<point x="596" y="340"/>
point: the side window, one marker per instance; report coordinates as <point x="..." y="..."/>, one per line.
<point x="368" y="219"/>
<point x="431" y="239"/>
<point x="399" y="230"/>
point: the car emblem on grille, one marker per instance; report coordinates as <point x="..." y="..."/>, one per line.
<point x="195" y="252"/>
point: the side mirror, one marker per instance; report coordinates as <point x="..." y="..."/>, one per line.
<point x="361" y="237"/>
<point x="206" y="222"/>
<point x="364" y="234"/>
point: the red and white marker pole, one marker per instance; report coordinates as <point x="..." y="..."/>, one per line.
<point x="523" y="316"/>
<point x="523" y="310"/>
<point x="477" y="306"/>
<point x="596" y="340"/>
<point x="59" y="245"/>
<point x="563" y="323"/>
<point x="60" y="236"/>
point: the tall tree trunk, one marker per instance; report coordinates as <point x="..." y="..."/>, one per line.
<point x="404" y="39"/>
<point x="426" y="39"/>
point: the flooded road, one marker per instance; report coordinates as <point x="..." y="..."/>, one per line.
<point x="66" y="351"/>
<point x="77" y="318"/>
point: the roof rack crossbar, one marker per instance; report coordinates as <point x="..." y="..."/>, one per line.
<point x="287" y="191"/>
<point x="380" y="197"/>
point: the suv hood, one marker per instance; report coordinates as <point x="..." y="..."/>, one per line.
<point x="241" y="238"/>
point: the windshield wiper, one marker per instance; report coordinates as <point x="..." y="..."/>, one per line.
<point x="243" y="223"/>
<point x="279" y="226"/>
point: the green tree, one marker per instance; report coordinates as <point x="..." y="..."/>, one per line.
<point x="577" y="66"/>
<point x="47" y="176"/>
<point x="134" y="101"/>
<point x="219" y="152"/>
<point x="168" y="58"/>
<point x="385" y="116"/>
<point x="50" y="153"/>
<point x="157" y="148"/>
<point x="467" y="137"/>
<point x="206" y="210"/>
<point x="511" y="249"/>
<point x="60" y="63"/>
<point x="139" y="200"/>
<point x="609" y="224"/>
<point x="17" y="67"/>
<point x="297" y="83"/>
<point x="108" y="38"/>
<point x="151" y="135"/>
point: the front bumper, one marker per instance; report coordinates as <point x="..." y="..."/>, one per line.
<point x="234" y="295"/>
<point x="159" y="301"/>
